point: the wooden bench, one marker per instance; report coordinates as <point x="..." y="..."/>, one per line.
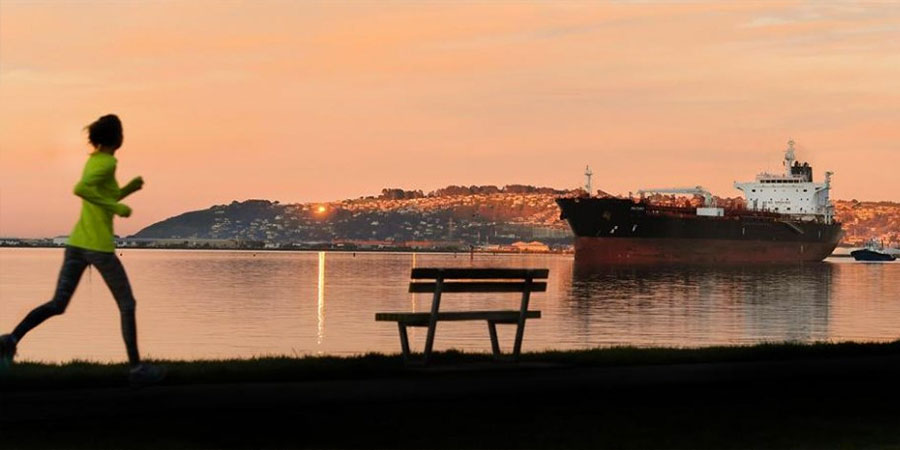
<point x="439" y="281"/>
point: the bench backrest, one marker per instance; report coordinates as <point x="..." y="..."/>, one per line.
<point x="475" y="280"/>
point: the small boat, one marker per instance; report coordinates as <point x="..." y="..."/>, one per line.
<point x="873" y="251"/>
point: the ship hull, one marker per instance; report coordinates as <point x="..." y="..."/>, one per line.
<point x="611" y="231"/>
<point x="592" y="251"/>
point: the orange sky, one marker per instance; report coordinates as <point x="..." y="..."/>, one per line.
<point x="301" y="101"/>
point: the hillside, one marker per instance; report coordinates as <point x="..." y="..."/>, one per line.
<point x="868" y="220"/>
<point x="467" y="215"/>
<point x="476" y="215"/>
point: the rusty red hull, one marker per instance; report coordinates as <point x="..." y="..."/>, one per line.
<point x="601" y="251"/>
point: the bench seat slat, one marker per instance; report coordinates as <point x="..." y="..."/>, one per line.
<point x="479" y="286"/>
<point x="421" y="319"/>
<point x="420" y="273"/>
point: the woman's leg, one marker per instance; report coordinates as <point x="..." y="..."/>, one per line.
<point x="114" y="275"/>
<point x="72" y="269"/>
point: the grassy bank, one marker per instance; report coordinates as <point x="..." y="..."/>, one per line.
<point x="76" y="374"/>
<point x="779" y="395"/>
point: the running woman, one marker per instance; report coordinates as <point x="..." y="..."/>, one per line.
<point x="92" y="242"/>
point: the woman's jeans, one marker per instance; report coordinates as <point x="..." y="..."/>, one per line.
<point x="76" y="260"/>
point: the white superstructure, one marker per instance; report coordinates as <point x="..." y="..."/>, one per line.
<point x="792" y="192"/>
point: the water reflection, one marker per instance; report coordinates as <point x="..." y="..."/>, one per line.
<point x="320" y="311"/>
<point x="219" y="304"/>
<point x="690" y="305"/>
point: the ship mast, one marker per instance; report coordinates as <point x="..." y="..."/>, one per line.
<point x="587" y="179"/>
<point x="789" y="158"/>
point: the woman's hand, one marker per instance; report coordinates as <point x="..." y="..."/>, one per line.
<point x="135" y="184"/>
<point x="122" y="210"/>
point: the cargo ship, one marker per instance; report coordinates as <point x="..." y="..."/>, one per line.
<point x="786" y="218"/>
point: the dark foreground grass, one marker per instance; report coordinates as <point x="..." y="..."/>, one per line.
<point x="79" y="374"/>
<point x="788" y="396"/>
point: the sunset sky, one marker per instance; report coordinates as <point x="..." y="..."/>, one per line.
<point x="302" y="101"/>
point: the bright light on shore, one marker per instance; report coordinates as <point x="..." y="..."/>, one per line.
<point x="321" y="209"/>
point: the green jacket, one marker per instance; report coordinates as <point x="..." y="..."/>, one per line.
<point x="100" y="195"/>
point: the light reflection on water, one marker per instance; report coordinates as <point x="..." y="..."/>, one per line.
<point x="320" y="330"/>
<point x="215" y="304"/>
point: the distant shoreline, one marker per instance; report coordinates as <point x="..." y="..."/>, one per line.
<point x="836" y="254"/>
<point x="325" y="249"/>
<point x="340" y="250"/>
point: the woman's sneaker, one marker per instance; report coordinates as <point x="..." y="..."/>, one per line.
<point x="146" y="375"/>
<point x="7" y="350"/>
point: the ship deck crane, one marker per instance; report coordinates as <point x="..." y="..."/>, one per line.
<point x="708" y="199"/>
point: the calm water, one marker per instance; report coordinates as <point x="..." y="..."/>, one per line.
<point x="215" y="304"/>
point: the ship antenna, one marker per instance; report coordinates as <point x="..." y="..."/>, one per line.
<point x="789" y="157"/>
<point x="587" y="179"/>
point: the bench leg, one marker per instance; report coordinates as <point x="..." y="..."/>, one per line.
<point x="495" y="345"/>
<point x="432" y="322"/>
<point x="404" y="340"/>
<point x="520" y="329"/>
<point x="517" y="348"/>
<point x="429" y="343"/>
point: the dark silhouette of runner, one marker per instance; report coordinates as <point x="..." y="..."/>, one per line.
<point x="92" y="242"/>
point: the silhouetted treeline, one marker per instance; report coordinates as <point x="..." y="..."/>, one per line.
<point x="400" y="194"/>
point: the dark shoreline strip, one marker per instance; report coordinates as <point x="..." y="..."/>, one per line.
<point x="78" y="374"/>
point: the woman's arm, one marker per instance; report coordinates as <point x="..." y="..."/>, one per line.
<point x="94" y="175"/>
<point x="133" y="186"/>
